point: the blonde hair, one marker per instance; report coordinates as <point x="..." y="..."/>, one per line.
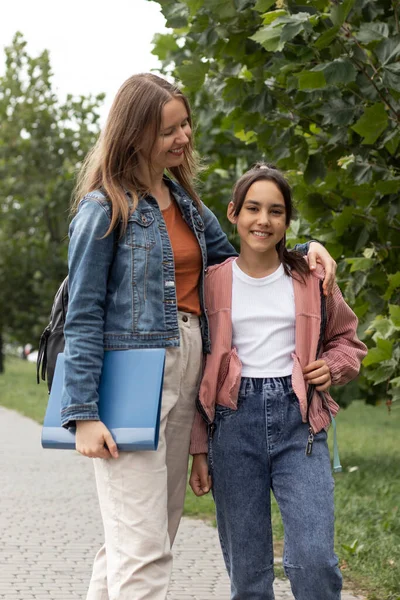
<point x="112" y="163"/>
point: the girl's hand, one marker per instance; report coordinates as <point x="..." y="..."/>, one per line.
<point x="317" y="253"/>
<point x="94" y="440"/>
<point x="317" y="373"/>
<point x="200" y="480"/>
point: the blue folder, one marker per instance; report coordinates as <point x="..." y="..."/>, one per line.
<point x="130" y="394"/>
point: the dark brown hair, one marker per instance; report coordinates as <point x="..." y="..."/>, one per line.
<point x="134" y="117"/>
<point x="266" y="172"/>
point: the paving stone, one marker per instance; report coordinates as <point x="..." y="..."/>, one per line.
<point x="50" y="527"/>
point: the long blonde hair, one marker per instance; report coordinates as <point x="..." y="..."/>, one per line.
<point x="112" y="163"/>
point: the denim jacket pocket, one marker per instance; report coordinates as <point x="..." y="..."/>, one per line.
<point x="141" y="230"/>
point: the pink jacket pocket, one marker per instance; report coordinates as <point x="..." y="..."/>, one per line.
<point x="299" y="386"/>
<point x="229" y="380"/>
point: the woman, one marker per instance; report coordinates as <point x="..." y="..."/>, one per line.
<point x="140" y="243"/>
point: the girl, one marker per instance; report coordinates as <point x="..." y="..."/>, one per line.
<point x="139" y="246"/>
<point x="277" y="346"/>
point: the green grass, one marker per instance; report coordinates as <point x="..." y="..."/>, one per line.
<point x="19" y="390"/>
<point x="367" y="493"/>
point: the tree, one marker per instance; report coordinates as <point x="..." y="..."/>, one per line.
<point x="313" y="87"/>
<point x="42" y="142"/>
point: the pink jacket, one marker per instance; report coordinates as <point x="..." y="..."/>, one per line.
<point x="342" y="350"/>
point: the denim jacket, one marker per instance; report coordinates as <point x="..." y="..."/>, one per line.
<point x="122" y="289"/>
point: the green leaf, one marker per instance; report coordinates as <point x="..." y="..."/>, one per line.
<point x="248" y="137"/>
<point x="372" y="32"/>
<point x="194" y="6"/>
<point x="382" y="352"/>
<point x="326" y="38"/>
<point x="388" y="186"/>
<point x="382" y="327"/>
<point x="373" y="122"/>
<point x="361" y="310"/>
<point x="242" y="4"/>
<point x="344" y="162"/>
<point x="391" y="76"/>
<point x="335" y="250"/>
<point x="164" y="44"/>
<point x="341" y="70"/>
<point x="272" y="15"/>
<point x="369" y="252"/>
<point x="234" y="91"/>
<point x="394" y="283"/>
<point x="386" y="345"/>
<point x="338" y="113"/>
<point x="381" y="373"/>
<point x="290" y="31"/>
<point x="388" y="50"/>
<point x="394" y="312"/>
<point x="193" y="74"/>
<point x="245" y="74"/>
<point x="176" y="15"/>
<point x="392" y="144"/>
<point x="343" y="220"/>
<point x="311" y="80"/>
<point x="360" y="264"/>
<point x="225" y="9"/>
<point x="395" y="393"/>
<point x="315" y="169"/>
<point x="269" y="38"/>
<point x="340" y="11"/>
<point x="262" y="6"/>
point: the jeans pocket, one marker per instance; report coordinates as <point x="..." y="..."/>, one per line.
<point x="293" y="401"/>
<point x="224" y="412"/>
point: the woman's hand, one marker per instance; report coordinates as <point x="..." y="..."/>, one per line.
<point x="317" y="373"/>
<point x="317" y="253"/>
<point x="94" y="440"/>
<point x="200" y="480"/>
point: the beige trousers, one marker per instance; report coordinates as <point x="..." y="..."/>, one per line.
<point x="141" y="494"/>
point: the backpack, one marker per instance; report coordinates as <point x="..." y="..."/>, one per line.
<point x="52" y="339"/>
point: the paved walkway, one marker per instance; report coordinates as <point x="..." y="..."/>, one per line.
<point x="50" y="527"/>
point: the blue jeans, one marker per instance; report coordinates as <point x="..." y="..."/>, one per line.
<point x="258" y="448"/>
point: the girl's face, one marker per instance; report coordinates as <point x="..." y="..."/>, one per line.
<point x="174" y="135"/>
<point x="261" y="223"/>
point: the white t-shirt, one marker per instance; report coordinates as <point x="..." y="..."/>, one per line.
<point x="263" y="319"/>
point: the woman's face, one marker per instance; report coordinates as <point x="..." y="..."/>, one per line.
<point x="174" y="135"/>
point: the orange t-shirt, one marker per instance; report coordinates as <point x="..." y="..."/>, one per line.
<point x="187" y="258"/>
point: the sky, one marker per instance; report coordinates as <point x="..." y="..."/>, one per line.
<point x="94" y="45"/>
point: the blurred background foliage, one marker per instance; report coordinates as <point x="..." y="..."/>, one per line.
<point x="42" y="142"/>
<point x="314" y="87"/>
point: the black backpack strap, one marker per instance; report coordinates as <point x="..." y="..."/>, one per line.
<point x="41" y="362"/>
